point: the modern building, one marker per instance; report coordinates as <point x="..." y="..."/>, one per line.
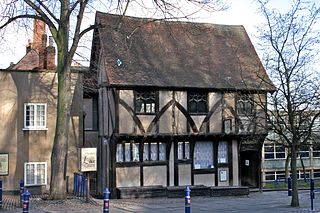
<point x="274" y="155"/>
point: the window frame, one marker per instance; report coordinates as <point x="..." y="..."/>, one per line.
<point x="242" y="100"/>
<point x="145" y="101"/>
<point x="35" y="120"/>
<point x="183" y="156"/>
<point x="213" y="165"/>
<point x="274" y="152"/>
<point x="149" y="151"/>
<point x="35" y="173"/>
<point x="122" y="145"/>
<point x="197" y="111"/>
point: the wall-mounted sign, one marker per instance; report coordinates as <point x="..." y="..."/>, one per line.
<point x="4" y="164"/>
<point x="88" y="159"/>
<point x="247" y="162"/>
<point x="223" y="175"/>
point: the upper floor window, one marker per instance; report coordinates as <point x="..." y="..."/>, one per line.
<point x="304" y="151"/>
<point x="35" y="116"/>
<point x="145" y="102"/>
<point x="197" y="102"/>
<point x="35" y="173"/>
<point x="273" y="151"/>
<point x="316" y="151"/>
<point x="245" y="104"/>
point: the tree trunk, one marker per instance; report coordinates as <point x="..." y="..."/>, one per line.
<point x="286" y="167"/>
<point x="304" y="170"/>
<point x="60" y="146"/>
<point x="295" y="195"/>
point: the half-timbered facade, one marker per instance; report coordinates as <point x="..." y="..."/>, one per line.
<point x="179" y="103"/>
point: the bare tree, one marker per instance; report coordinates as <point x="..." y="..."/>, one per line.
<point x="290" y="42"/>
<point x="65" y="21"/>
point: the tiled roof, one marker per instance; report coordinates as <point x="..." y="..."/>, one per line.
<point x="145" y="52"/>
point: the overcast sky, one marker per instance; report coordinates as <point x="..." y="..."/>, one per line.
<point x="240" y="12"/>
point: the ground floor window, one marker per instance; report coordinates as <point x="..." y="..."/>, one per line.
<point x="275" y="175"/>
<point x="183" y="150"/>
<point x="203" y="155"/>
<point x="223" y="152"/>
<point x="35" y="173"/>
<point x="154" y="151"/>
<point x="127" y="152"/>
<point x="316" y="173"/>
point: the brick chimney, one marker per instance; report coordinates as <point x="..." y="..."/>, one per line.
<point x="38" y="32"/>
<point x="50" y="55"/>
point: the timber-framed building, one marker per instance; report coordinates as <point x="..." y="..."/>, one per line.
<point x="179" y="104"/>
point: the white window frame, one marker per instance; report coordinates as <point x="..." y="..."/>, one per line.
<point x="35" y="173"/>
<point x="274" y="152"/>
<point x="35" y="126"/>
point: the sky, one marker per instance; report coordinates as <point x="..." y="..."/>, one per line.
<point x="240" y="12"/>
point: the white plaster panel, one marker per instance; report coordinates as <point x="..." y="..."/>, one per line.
<point x="127" y="97"/>
<point x="204" y="179"/>
<point x="155" y="175"/>
<point x="165" y="121"/>
<point x="146" y="121"/>
<point x="126" y="123"/>
<point x="184" y="174"/>
<point x="198" y="120"/>
<point x="127" y="176"/>
<point x="180" y="119"/>
<point x="235" y="163"/>
<point x="216" y="118"/>
<point x="171" y="166"/>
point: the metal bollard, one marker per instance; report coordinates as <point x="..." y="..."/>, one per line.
<point x="187" y="200"/>
<point x="106" y="195"/>
<point x="312" y="196"/>
<point x="74" y="183"/>
<point x="21" y="191"/>
<point x="83" y="185"/>
<point x="289" y="186"/>
<point x="0" y="193"/>
<point x="26" y="197"/>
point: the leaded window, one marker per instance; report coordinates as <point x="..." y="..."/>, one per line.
<point x="145" y="102"/>
<point x="203" y="155"/>
<point x="154" y="151"/>
<point x="127" y="152"/>
<point x="223" y="152"/>
<point x="183" y="150"/>
<point x="197" y="102"/>
<point x="245" y="104"/>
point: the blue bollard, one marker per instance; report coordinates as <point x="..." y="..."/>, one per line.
<point x="74" y="183"/>
<point x="26" y="197"/>
<point x="106" y="195"/>
<point x="21" y="191"/>
<point x="0" y="193"/>
<point x="83" y="185"/>
<point x="312" y="196"/>
<point x="289" y="186"/>
<point x="187" y="200"/>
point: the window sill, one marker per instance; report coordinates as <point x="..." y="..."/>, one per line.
<point x="44" y="184"/>
<point x="35" y="128"/>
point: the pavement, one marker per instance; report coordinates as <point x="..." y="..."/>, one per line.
<point x="273" y="201"/>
